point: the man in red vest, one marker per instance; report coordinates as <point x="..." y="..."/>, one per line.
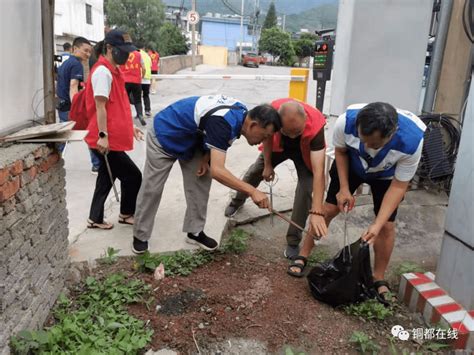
<point x="132" y="72"/>
<point x="300" y="139"/>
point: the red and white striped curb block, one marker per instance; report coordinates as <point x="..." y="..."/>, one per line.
<point x="422" y="295"/>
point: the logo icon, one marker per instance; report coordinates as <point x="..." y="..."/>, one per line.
<point x="399" y="332"/>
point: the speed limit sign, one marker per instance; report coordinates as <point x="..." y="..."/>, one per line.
<point x="193" y="17"/>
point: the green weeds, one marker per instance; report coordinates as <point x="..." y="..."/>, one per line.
<point x="110" y="257"/>
<point x="363" y="343"/>
<point x="320" y="254"/>
<point x="369" y="310"/>
<point x="181" y="263"/>
<point x="407" y="267"/>
<point x="96" y="322"/>
<point x="237" y="243"/>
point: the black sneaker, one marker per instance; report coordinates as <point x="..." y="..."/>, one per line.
<point x="148" y="114"/>
<point x="202" y="241"/>
<point x="142" y="120"/>
<point x="232" y="209"/>
<point x="138" y="246"/>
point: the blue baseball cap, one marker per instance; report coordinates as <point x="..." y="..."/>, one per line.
<point x="121" y="40"/>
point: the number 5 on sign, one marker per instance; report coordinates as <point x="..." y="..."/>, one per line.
<point x="192" y="17"/>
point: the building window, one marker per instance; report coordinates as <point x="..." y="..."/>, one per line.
<point x="89" y="14"/>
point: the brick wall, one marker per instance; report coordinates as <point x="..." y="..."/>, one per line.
<point x="33" y="236"/>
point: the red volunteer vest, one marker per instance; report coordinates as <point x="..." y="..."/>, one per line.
<point x="315" y="121"/>
<point x="132" y="69"/>
<point x="119" y="115"/>
<point x="155" y="59"/>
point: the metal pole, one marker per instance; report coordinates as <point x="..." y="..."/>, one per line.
<point x="47" y="26"/>
<point x="241" y="28"/>
<point x="193" y="40"/>
<point x="320" y="91"/>
<point x="438" y="52"/>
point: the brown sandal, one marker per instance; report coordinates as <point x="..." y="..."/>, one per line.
<point x="104" y="225"/>
<point x="125" y="219"/>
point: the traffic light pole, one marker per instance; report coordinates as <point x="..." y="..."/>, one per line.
<point x="320" y="91"/>
<point x="322" y="66"/>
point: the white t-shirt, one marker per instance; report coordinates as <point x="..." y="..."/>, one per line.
<point x="101" y="81"/>
<point x="406" y="165"/>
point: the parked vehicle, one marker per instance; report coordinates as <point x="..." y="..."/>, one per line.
<point x="252" y="59"/>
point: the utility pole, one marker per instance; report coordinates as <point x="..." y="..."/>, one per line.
<point x="47" y="25"/>
<point x="193" y="41"/>
<point x="284" y="22"/>
<point x="241" y="28"/>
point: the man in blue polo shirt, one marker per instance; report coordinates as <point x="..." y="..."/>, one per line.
<point x="197" y="131"/>
<point x="70" y="78"/>
<point x="380" y="146"/>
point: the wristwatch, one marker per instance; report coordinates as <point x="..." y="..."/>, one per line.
<point x="102" y="134"/>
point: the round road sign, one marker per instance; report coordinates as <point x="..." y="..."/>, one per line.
<point x="192" y="17"/>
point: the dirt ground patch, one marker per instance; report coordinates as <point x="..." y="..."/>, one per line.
<point x="241" y="304"/>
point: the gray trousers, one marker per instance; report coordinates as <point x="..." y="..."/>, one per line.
<point x="157" y="168"/>
<point x="303" y="193"/>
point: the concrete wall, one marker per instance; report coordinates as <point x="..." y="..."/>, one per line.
<point x="33" y="236"/>
<point x="456" y="262"/>
<point x="21" y="77"/>
<point x="212" y="55"/>
<point x="174" y="63"/>
<point x="380" y="52"/>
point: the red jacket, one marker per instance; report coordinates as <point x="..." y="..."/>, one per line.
<point x="119" y="115"/>
<point x="132" y="69"/>
<point x="315" y="121"/>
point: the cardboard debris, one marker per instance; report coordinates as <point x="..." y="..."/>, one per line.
<point x="56" y="132"/>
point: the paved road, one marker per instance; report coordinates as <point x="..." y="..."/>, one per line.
<point x="168" y="236"/>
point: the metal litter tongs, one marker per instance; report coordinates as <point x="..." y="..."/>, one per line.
<point x="346" y="246"/>
<point x="270" y="185"/>
<point x="109" y="171"/>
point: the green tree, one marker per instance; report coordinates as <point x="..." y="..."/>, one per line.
<point x="172" y="41"/>
<point x="271" y="19"/>
<point x="304" y="46"/>
<point x="142" y="19"/>
<point x="278" y="44"/>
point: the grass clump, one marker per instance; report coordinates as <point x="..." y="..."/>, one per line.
<point x="369" y="310"/>
<point x="181" y="263"/>
<point x="237" y="243"/>
<point x="319" y="255"/>
<point x="110" y="256"/>
<point x="407" y="267"/>
<point x="97" y="322"/>
<point x="363" y="343"/>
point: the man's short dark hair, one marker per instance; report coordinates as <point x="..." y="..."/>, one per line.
<point x="66" y="46"/>
<point x="265" y="115"/>
<point x="79" y="41"/>
<point x="377" y="116"/>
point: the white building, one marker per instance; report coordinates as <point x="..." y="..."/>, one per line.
<point x="74" y="18"/>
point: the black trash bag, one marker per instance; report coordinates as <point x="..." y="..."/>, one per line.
<point x="347" y="278"/>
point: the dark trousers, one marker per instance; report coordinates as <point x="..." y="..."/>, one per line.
<point x="146" y="97"/>
<point x="134" y="92"/>
<point x="124" y="169"/>
<point x="303" y="192"/>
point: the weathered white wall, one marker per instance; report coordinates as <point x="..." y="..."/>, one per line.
<point x="380" y="52"/>
<point x="21" y="74"/>
<point x="70" y="19"/>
